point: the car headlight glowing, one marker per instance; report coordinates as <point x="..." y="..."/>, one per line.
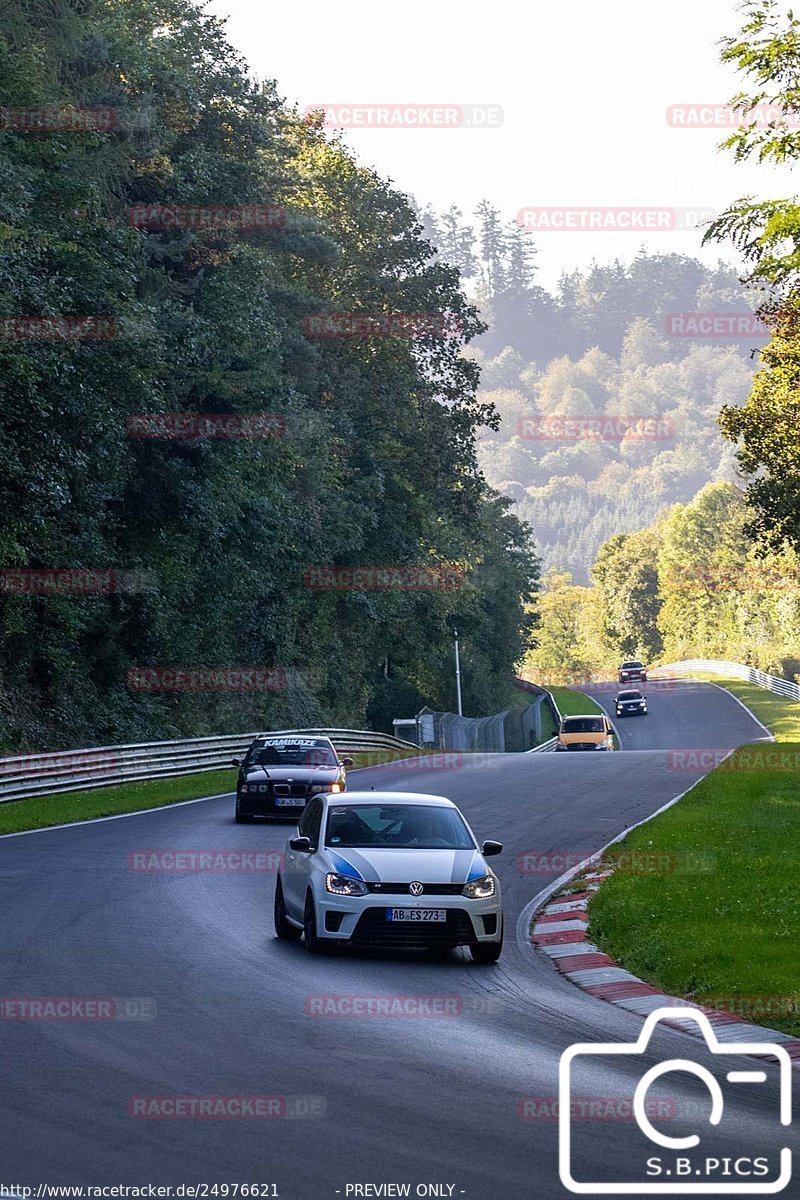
<point x="480" y="889"/>
<point x="344" y="885"/>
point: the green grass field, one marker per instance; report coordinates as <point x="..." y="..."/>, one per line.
<point x="571" y="703"/>
<point x="66" y="807"/>
<point x="718" y="923"/>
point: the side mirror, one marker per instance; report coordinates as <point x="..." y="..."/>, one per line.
<point x="490" y="848"/>
<point x="303" y="844"/>
<point x="346" y="762"/>
<point x="237" y="762"/>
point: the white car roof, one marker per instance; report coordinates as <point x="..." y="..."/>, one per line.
<point x="387" y="798"/>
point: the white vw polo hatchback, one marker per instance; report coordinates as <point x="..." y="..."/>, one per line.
<point x="389" y="869"/>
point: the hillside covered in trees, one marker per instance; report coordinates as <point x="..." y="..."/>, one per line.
<point x="602" y="344"/>
<point x="174" y="252"/>
<point x="694" y="584"/>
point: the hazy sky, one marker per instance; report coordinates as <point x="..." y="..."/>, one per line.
<point x="584" y="86"/>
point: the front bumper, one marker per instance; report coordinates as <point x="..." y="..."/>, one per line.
<point x="632" y="711"/>
<point x="268" y="804"/>
<point x="362" y="920"/>
<point x="582" y="746"/>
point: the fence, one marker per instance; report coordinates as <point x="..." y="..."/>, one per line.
<point x="512" y="730"/>
<point x="716" y="666"/>
<point x="26" y="775"/>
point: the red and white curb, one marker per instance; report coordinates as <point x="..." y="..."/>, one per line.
<point x="560" y="932"/>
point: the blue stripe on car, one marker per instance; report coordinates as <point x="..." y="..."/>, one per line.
<point x="344" y="867"/>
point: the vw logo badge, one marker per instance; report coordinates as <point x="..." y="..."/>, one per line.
<point x="415" y="888"/>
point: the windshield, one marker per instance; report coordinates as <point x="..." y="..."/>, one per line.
<point x="630" y="696"/>
<point x="626" y="666"/>
<point x="583" y="725"/>
<point x="311" y="752"/>
<point x="401" y="826"/>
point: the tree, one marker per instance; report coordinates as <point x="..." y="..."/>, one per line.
<point x="377" y="462"/>
<point x="768" y="235"/>
<point x="626" y="576"/>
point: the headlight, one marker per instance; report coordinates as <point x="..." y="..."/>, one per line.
<point x="244" y="789"/>
<point x="336" y="787"/>
<point x="480" y="889"/>
<point x="344" y="885"/>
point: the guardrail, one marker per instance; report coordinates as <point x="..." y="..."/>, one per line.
<point x="545" y="747"/>
<point x="24" y="775"/>
<point x="718" y="666"/>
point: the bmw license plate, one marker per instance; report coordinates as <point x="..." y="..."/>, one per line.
<point x="416" y="914"/>
<point x="288" y="802"/>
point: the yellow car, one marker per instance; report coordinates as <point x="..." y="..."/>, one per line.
<point x="590" y="732"/>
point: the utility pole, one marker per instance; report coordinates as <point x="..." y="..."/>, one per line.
<point x="458" y="673"/>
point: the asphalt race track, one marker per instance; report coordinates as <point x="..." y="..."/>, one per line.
<point x="369" y="1100"/>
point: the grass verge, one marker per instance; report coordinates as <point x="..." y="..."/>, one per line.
<point x="574" y="704"/>
<point x="717" y="921"/>
<point x="64" y="808"/>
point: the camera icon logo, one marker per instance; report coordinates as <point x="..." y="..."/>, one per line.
<point x="676" y="1172"/>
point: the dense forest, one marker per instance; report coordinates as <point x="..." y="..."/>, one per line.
<point x="169" y="231"/>
<point x="692" y="585"/>
<point x="718" y="577"/>
<point x="601" y="344"/>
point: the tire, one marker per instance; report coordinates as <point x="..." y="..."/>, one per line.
<point x="240" y="818"/>
<point x="283" y="928"/>
<point x="486" y="952"/>
<point x="313" y="943"/>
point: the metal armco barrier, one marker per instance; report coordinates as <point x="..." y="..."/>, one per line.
<point x="545" y="747"/>
<point x="717" y="666"/>
<point x="24" y="775"/>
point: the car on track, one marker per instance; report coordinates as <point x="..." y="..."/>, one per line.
<point x="389" y="869"/>
<point x="632" y="672"/>
<point x="588" y="731"/>
<point x="281" y="772"/>
<point x="631" y="704"/>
